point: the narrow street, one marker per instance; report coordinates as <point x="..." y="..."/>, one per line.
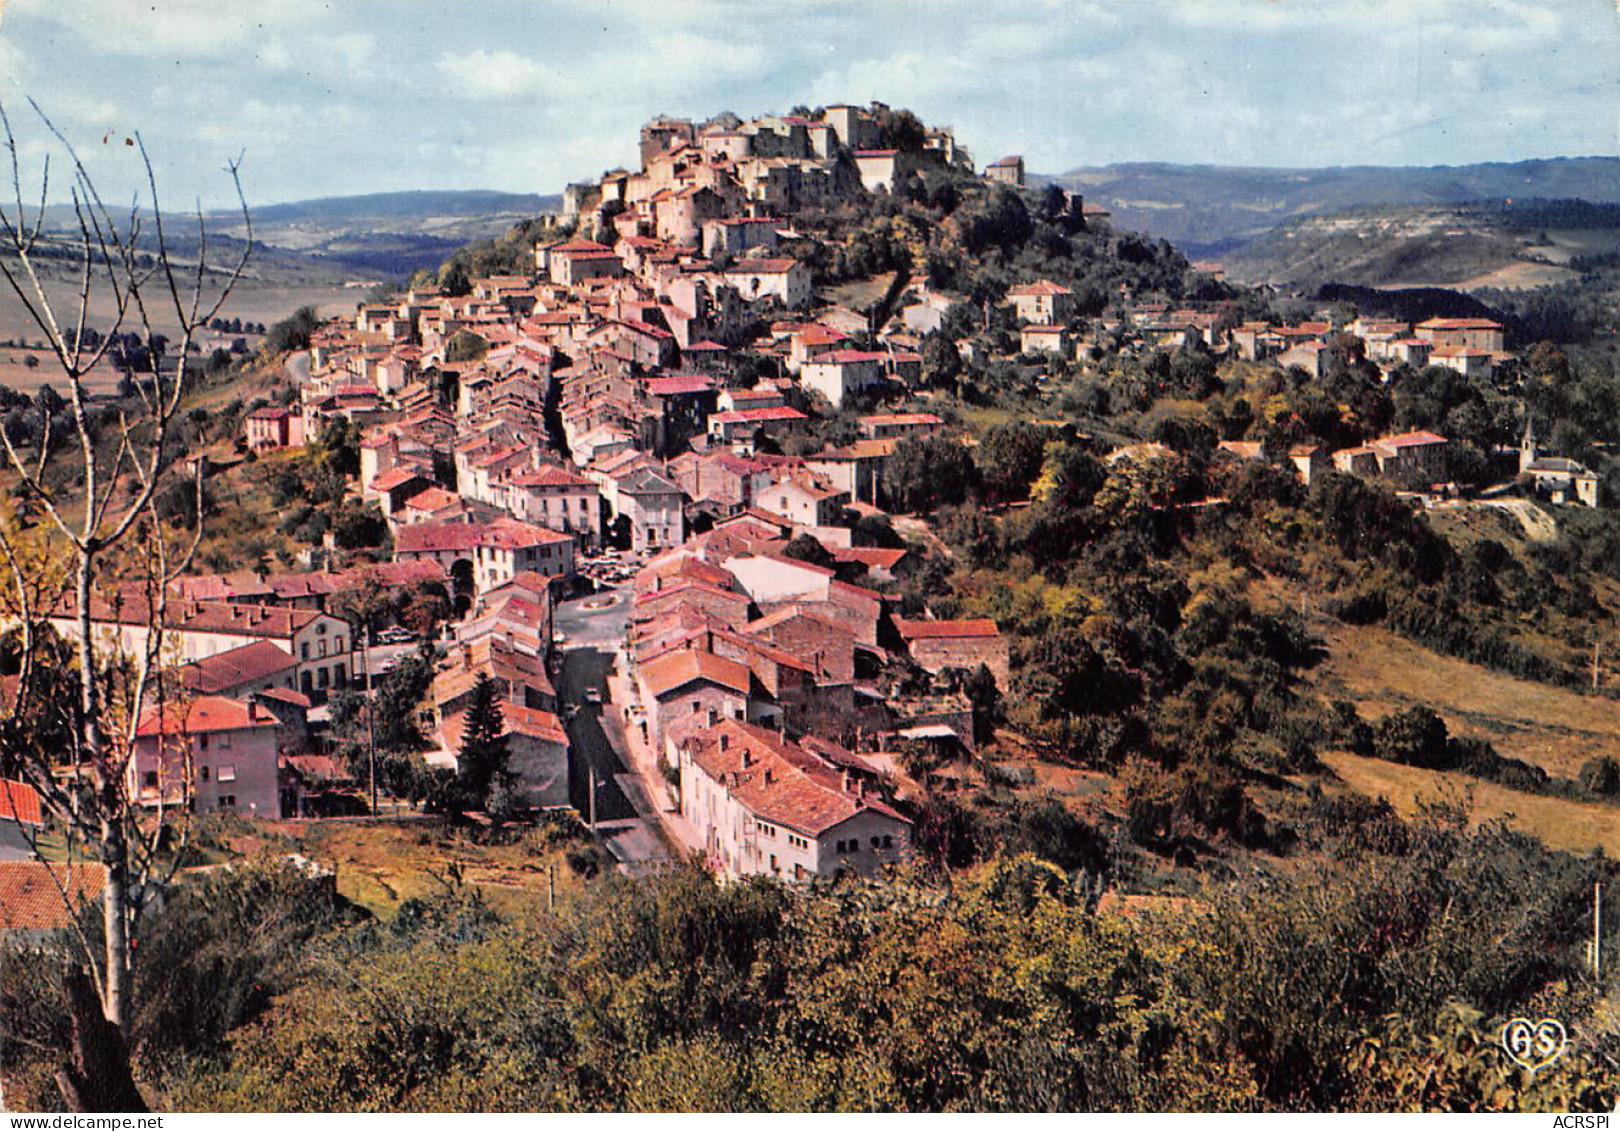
<point x="627" y="817"/>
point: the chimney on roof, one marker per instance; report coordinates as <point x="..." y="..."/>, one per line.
<point x="747" y="756"/>
<point x="466" y="657"/>
<point x="769" y="776"/>
<point x="725" y="740"/>
<point x="844" y="781"/>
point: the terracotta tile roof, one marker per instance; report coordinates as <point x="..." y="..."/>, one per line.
<point x="678" y="669"/>
<point x="432" y="499"/>
<point x="499" y="661"/>
<point x="1410" y="440"/>
<point x="292" y="586"/>
<point x="943" y="629"/>
<point x="763" y="267"/>
<point x="287" y="695"/>
<point x="780" y="781"/>
<point x="204" y="715"/>
<point x="221" y="587"/>
<point x="527" y="722"/>
<point x="816" y="334"/>
<point x="550" y="476"/>
<point x="1459" y="324"/>
<point x="751" y="415"/>
<point x="19" y="802"/>
<point x="503" y="533"/>
<point x="921" y="419"/>
<point x="236" y="666"/>
<point x="32" y="893"/>
<point x="679" y="386"/>
<point x="870" y="556"/>
<point x="254" y="621"/>
<point x="396" y="477"/>
<point x="847" y="357"/>
<point x="1039" y="288"/>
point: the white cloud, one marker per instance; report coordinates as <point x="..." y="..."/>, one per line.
<point x="182" y="28"/>
<point x="506" y="75"/>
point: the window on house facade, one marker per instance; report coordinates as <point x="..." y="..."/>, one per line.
<point x="149" y="779"/>
<point x="228" y="801"/>
<point x="323" y="678"/>
<point x="202" y="742"/>
<point x="303" y="650"/>
<point x="888" y="842"/>
<point x="226" y="773"/>
<point x="202" y="773"/>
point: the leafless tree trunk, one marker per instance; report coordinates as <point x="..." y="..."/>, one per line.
<point x="107" y="519"/>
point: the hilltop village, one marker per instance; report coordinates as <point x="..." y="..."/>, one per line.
<point x="843" y="624"/>
<point x="664" y="407"/>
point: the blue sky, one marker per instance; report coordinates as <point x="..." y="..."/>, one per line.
<point x="350" y="96"/>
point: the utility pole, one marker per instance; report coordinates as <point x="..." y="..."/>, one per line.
<point x="1597" y="930"/>
<point x="371" y="706"/>
<point x="592" y="799"/>
<point x="1597" y="652"/>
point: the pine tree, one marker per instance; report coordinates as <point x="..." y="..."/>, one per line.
<point x="481" y="770"/>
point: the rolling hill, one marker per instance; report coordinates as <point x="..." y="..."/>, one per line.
<point x="1209" y="210"/>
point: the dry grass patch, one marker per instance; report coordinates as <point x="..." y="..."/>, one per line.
<point x="380" y="864"/>
<point x="1546" y="726"/>
<point x="1571" y="826"/>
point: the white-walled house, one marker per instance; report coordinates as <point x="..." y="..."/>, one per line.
<point x="767" y="806"/>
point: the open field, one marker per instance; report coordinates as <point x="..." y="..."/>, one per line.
<point x="380" y="864"/>
<point x="259" y="297"/>
<point x="1545" y="726"/>
<point x="16" y="373"/>
<point x="1570" y="826"/>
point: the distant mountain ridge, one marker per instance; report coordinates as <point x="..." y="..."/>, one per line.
<point x="384" y="235"/>
<point x="413" y="204"/>
<point x="1208" y="210"/>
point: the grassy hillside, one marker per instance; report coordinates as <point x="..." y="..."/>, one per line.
<point x="1466" y="247"/>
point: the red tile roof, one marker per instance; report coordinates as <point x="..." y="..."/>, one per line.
<point x="1038" y="288"/>
<point x="204" y="715"/>
<point x="667" y="673"/>
<point x="942" y="629"/>
<point x="236" y="666"/>
<point x="763" y="267"/>
<point x="395" y="477"/>
<point x="780" y="781"/>
<point x="750" y="415"/>
<point x="503" y="533"/>
<point x="1411" y="440"/>
<point x="39" y="896"/>
<point x="19" y="802"/>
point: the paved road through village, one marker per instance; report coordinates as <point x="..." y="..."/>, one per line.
<point x="626" y="819"/>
